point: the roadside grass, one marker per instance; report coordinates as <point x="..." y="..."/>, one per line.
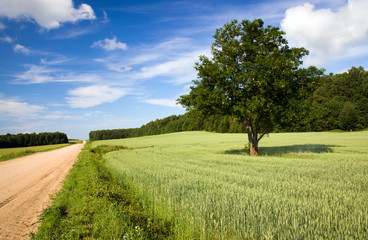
<point x="11" y="153"/>
<point x="94" y="204"/>
<point x="303" y="186"/>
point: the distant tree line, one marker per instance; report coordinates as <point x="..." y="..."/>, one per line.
<point x="340" y="101"/>
<point x="33" y="139"/>
<point x="174" y="123"/>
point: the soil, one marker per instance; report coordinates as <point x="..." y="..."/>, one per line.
<point x="27" y="186"/>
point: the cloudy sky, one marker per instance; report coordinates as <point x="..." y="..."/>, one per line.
<point x="75" y="66"/>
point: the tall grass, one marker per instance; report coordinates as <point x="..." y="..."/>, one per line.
<point x="304" y="186"/>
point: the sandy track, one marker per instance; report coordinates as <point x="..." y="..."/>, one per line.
<point x="26" y="184"/>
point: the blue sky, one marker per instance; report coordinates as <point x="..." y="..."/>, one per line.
<point x="76" y="66"/>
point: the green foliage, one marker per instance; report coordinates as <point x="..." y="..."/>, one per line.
<point x="247" y="148"/>
<point x="306" y="186"/>
<point x="253" y="76"/>
<point x="27" y="140"/>
<point x="93" y="204"/>
<point x="188" y="122"/>
<point x="103" y="149"/>
<point x="341" y="102"/>
<point x="335" y="104"/>
<point x="348" y="116"/>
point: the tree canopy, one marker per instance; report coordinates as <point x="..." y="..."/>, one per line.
<point x="253" y="76"/>
<point x="340" y="102"/>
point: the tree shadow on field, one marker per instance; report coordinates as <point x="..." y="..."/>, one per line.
<point x="311" y="148"/>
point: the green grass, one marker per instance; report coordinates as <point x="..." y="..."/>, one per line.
<point x="10" y="153"/>
<point x="303" y="186"/>
<point x="93" y="204"/>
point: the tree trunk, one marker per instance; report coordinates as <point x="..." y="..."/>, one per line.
<point x="253" y="149"/>
<point x="253" y="142"/>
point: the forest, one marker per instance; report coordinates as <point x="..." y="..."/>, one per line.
<point x="338" y="102"/>
<point x="33" y="139"/>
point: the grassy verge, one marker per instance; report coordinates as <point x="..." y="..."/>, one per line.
<point x="95" y="205"/>
<point x="11" y="153"/>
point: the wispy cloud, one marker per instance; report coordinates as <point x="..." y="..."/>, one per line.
<point x="73" y="32"/>
<point x="21" y="49"/>
<point x="2" y="26"/>
<point x="105" y="18"/>
<point x="18" y="48"/>
<point x="18" y="110"/>
<point x="114" y="63"/>
<point x="175" y="60"/>
<point x="20" y="116"/>
<point x="27" y="126"/>
<point x="37" y="74"/>
<point x="56" y="115"/>
<point x="6" y="39"/>
<point x="172" y="60"/>
<point x="48" y="14"/>
<point x="179" y="70"/>
<point x="85" y="97"/>
<point x="55" y="61"/>
<point x="162" y="102"/>
<point x="110" y="44"/>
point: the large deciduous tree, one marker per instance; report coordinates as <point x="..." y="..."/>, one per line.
<point x="253" y="76"/>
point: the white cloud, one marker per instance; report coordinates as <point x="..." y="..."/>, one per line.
<point x="6" y="39"/>
<point x="21" y="49"/>
<point x="94" y="95"/>
<point x="48" y="14"/>
<point x="35" y="74"/>
<point x="324" y="32"/>
<point x="113" y="64"/>
<point x="23" y="127"/>
<point x="110" y="44"/>
<point x="173" y="61"/>
<point x="105" y="17"/>
<point x="74" y="31"/>
<point x="18" y="110"/>
<point x="162" y="102"/>
<point x="55" y="61"/>
<point x="178" y="70"/>
<point x="43" y="74"/>
<point x="2" y="26"/>
<point x="61" y="115"/>
<point x="119" y="63"/>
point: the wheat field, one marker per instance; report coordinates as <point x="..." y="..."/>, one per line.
<point x="303" y="186"/>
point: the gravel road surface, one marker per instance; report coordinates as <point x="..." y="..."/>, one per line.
<point x="26" y="187"/>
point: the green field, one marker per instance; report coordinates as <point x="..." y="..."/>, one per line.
<point x="10" y="153"/>
<point x="303" y="186"/>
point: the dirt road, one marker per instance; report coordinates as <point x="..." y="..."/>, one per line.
<point x="26" y="184"/>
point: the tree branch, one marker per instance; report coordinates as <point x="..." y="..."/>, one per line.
<point x="264" y="133"/>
